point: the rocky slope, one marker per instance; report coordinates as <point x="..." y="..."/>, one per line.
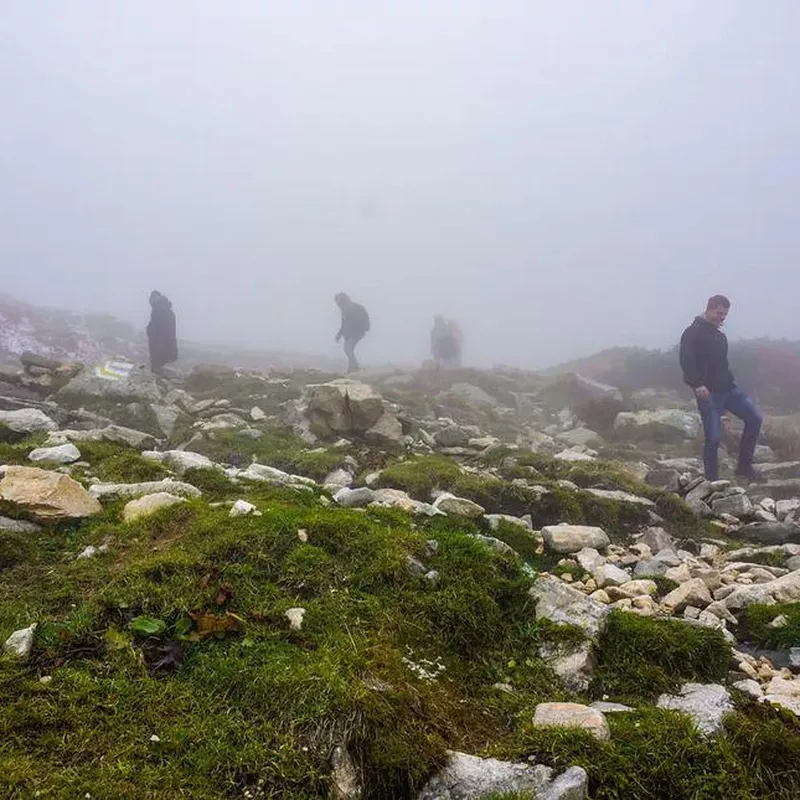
<point x="94" y="339"/>
<point x="434" y="585"/>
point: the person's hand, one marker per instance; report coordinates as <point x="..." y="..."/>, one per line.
<point x="702" y="393"/>
<point x="337" y="337"/>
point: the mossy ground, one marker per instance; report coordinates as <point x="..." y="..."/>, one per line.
<point x="277" y="447"/>
<point x="253" y="700"/>
<point x="224" y="697"/>
<point x="421" y="475"/>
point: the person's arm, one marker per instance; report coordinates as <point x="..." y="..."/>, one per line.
<point x="691" y="364"/>
<point x="341" y="330"/>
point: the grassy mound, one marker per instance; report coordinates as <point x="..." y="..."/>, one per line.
<point x="420" y="476"/>
<point x="640" y="658"/>
<point x="178" y="633"/>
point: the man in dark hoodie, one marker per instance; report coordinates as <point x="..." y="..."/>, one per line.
<point x="355" y="324"/>
<point x="161" y="335"/>
<point x="704" y="361"/>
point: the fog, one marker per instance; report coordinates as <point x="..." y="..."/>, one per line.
<point x="559" y="176"/>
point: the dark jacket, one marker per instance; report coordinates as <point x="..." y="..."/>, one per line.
<point x="355" y="321"/>
<point x="704" y="357"/>
<point x="161" y="335"/>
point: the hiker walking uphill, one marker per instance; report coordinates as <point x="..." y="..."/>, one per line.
<point x="704" y="361"/>
<point x="446" y="341"/>
<point x="355" y="325"/>
<point x="161" y="335"/>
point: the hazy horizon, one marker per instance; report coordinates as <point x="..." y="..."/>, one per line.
<point x="560" y="178"/>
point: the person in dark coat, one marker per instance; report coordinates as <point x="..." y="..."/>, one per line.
<point x="446" y="342"/>
<point x="355" y="325"/>
<point x="704" y="361"/>
<point x="161" y="334"/>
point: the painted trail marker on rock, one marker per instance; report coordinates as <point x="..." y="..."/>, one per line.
<point x="113" y="370"/>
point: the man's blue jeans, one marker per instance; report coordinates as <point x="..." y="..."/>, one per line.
<point x="711" y="411"/>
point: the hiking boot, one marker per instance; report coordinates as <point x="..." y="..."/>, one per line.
<point x="747" y="473"/>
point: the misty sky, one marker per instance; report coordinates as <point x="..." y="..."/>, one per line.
<point x="560" y="176"/>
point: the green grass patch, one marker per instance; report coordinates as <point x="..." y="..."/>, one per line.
<point x="640" y="657"/>
<point x="754" y="625"/>
<point x="420" y="476"/>
<point x="115" y="463"/>
<point x="277" y="447"/>
<point x="522" y="540"/>
<point x="14" y="448"/>
<point x="655" y="754"/>
<point x="213" y="483"/>
<point x="14" y="548"/>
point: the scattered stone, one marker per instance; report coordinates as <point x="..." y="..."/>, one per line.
<point x="61" y="454"/>
<point x="496" y="544"/>
<point x="115" y="491"/>
<point x="342" y="406"/>
<point x="611" y="708"/>
<point x="467" y="777"/>
<point x="131" y="383"/>
<point x="277" y="477"/>
<point x="581" y="437"/>
<point x="694" y="592"/>
<point x="751" y="687"/>
<point x="572" y="538"/>
<point x="452" y="436"/>
<point x="589" y="559"/>
<point x="572" y="715"/>
<point x="180" y="460"/>
<point x="707" y="704"/>
<point x="395" y="498"/>
<point x="20" y="643"/>
<point x="494" y="521"/>
<point x="607" y="575"/>
<point x="573" y="665"/>
<point x="241" y="508"/>
<point x="47" y="496"/>
<point x="148" y="504"/>
<point x="130" y="436"/>
<point x="559" y="603"/>
<point x="18" y="526"/>
<point x="637" y="588"/>
<point x="354" y="498"/>
<point x="458" y="506"/>
<point x="338" y="479"/>
<point x="257" y="415"/>
<point x="386" y="432"/>
<point x="663" y="425"/>
<point x="738" y="505"/>
<point x="27" y="421"/>
<point x="166" y="417"/>
<point x="574" y="455"/>
<point x="622" y="497"/>
<point x="295" y="617"/>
